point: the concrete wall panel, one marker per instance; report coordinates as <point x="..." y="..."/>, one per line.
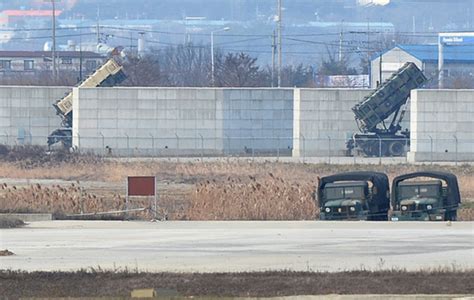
<point x="191" y="119"/>
<point x="442" y="125"/>
<point x="27" y="115"/>
<point x="323" y="120"/>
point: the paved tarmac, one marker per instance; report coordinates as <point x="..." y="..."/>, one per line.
<point x="238" y="246"/>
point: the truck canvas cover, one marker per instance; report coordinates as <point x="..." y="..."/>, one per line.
<point x="453" y="195"/>
<point x="379" y="180"/>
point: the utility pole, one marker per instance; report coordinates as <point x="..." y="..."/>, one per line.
<point x="368" y="49"/>
<point x="440" y="63"/>
<point x="380" y="69"/>
<point x="53" y="50"/>
<point x="273" y="58"/>
<point x="279" y="42"/>
<point x="80" y="52"/>
<point x="98" y="26"/>
<point x="55" y="70"/>
<point x="341" y="38"/>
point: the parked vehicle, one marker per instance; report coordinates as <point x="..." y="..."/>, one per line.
<point x="354" y="196"/>
<point x="416" y="199"/>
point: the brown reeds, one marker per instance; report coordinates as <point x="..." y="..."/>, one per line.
<point x="220" y="190"/>
<point x="56" y="199"/>
<point x="264" y="198"/>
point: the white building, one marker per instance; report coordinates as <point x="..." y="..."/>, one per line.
<point x="33" y="62"/>
<point x="458" y="62"/>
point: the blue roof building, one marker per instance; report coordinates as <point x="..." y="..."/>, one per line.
<point x="458" y="61"/>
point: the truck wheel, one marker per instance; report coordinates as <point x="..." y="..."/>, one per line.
<point x="375" y="149"/>
<point x="396" y="148"/>
<point x="451" y="216"/>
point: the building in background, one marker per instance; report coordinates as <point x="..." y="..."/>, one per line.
<point x="27" y="18"/>
<point x="458" y="62"/>
<point x="35" y="62"/>
<point x="372" y="2"/>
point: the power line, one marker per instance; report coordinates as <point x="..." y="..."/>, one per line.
<point x="126" y="28"/>
<point x="49" y="36"/>
<point x="347" y="49"/>
<point x="43" y="29"/>
<point x="242" y="41"/>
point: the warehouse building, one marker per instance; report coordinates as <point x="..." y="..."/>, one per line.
<point x="458" y="62"/>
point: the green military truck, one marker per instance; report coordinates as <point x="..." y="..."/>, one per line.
<point x="425" y="196"/>
<point x="354" y="196"/>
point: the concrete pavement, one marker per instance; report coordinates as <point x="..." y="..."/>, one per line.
<point x="238" y="246"/>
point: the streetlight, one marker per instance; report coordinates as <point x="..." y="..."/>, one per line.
<point x="212" y="51"/>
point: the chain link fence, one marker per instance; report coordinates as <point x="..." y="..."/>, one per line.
<point x="324" y="149"/>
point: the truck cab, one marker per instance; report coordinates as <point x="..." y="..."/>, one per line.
<point x="345" y="200"/>
<point x="418" y="199"/>
<point x="354" y="196"/>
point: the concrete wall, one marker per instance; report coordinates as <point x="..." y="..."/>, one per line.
<point x="27" y="115"/>
<point x="321" y="116"/>
<point x="167" y="121"/>
<point x="258" y="120"/>
<point x="438" y="119"/>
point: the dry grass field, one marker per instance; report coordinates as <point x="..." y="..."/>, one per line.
<point x="210" y="191"/>
<point x="118" y="285"/>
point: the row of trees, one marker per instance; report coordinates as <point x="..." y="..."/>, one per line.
<point x="190" y="65"/>
<point x="183" y="66"/>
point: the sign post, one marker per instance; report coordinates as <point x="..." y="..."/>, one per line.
<point x="142" y="186"/>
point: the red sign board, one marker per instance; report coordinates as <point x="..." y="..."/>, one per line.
<point x="141" y="186"/>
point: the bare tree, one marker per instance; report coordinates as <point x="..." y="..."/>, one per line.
<point x="461" y="82"/>
<point x="239" y="70"/>
<point x="299" y="76"/>
<point x="380" y="44"/>
<point x="145" y="71"/>
<point x="334" y="66"/>
<point x="187" y="65"/>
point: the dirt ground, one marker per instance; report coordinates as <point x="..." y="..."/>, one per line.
<point x="8" y="222"/>
<point x="189" y="190"/>
<point x="96" y="283"/>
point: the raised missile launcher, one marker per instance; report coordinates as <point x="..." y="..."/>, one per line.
<point x="109" y="74"/>
<point x="375" y="137"/>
